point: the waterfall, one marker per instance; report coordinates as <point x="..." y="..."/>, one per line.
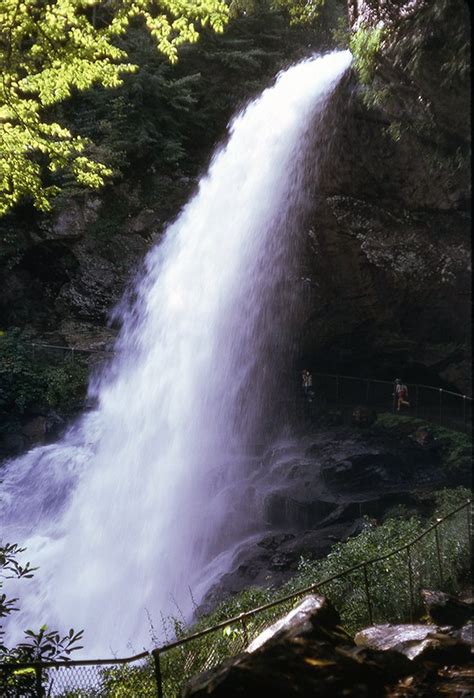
<point x="147" y="496"/>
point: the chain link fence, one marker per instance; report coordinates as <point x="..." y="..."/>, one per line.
<point x="134" y="676"/>
<point x="383" y="589"/>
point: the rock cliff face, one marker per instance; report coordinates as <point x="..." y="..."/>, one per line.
<point x="385" y="274"/>
<point x="387" y="264"/>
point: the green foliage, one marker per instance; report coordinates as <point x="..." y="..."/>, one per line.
<point x="20" y="382"/>
<point x="164" y="120"/>
<point x="455" y="446"/>
<point x="365" y="45"/>
<point x="51" y="50"/>
<point x="43" y="645"/>
<point x="341" y="33"/>
<point x="157" y="119"/>
<point x="10" y="568"/>
<point x="300" y="10"/>
<point x="30" y="384"/>
<point x="65" y="383"/>
<point x="449" y="499"/>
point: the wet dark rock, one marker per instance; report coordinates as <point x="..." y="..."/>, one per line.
<point x="12" y="443"/>
<point x="54" y="424"/>
<point x="322" y="487"/>
<point x="304" y="654"/>
<point x="466" y="633"/>
<point x="387" y="254"/>
<point x="363" y="416"/>
<point x="445" y="609"/>
<point x="280" y="509"/>
<point x="274" y="542"/>
<point x="424" y="437"/>
<point x="363" y="471"/>
<point x="35" y="429"/>
<point x="330" y="418"/>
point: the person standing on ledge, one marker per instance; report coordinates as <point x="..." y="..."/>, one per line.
<point x="307" y="382"/>
<point x="400" y="394"/>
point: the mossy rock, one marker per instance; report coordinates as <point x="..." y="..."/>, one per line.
<point x="455" y="447"/>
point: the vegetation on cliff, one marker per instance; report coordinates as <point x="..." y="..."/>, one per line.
<point x="48" y="51"/>
<point x="51" y="51"/>
<point x="33" y="387"/>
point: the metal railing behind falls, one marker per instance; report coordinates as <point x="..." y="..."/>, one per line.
<point x="450" y="409"/>
<point x="163" y="671"/>
<point x="332" y="391"/>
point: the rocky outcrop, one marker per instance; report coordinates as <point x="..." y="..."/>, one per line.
<point x="418" y="642"/>
<point x="387" y="268"/>
<point x="68" y="267"/>
<point x="323" y="487"/>
<point x="307" y="653"/>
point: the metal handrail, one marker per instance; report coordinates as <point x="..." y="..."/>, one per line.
<point x="378" y="380"/>
<point x="157" y="651"/>
<point x="328" y="375"/>
<point x="73" y="350"/>
<point x="312" y="587"/>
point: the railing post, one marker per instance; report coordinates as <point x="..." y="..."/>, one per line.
<point x="38" y="682"/>
<point x="410" y="584"/>
<point x="469" y="531"/>
<point x="440" y="404"/>
<point x="464" y="414"/>
<point x="244" y="630"/>
<point x="417" y="399"/>
<point x="367" y="392"/>
<point x="158" y="677"/>
<point x="367" y="594"/>
<point x="438" y="554"/>
<point x="337" y="391"/>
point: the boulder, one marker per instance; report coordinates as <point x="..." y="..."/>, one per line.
<point x="466" y="633"/>
<point x="447" y="610"/>
<point x="423" y="643"/>
<point x="312" y="613"/>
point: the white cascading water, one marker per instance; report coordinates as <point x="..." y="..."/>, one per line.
<point x="145" y="498"/>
